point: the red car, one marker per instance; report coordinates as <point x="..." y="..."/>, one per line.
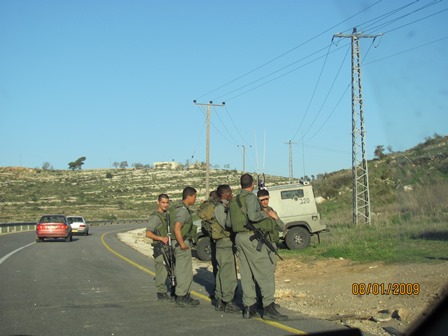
<point x="53" y="226"/>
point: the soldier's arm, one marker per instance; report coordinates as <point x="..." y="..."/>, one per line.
<point x="220" y="215"/>
<point x="153" y="224"/>
<point x="254" y="212"/>
<point x="178" y="234"/>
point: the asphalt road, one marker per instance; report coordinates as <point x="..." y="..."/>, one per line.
<point x="96" y="285"/>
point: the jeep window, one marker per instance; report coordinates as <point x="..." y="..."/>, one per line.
<point x="292" y="194"/>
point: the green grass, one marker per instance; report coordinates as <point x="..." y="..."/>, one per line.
<point x="386" y="242"/>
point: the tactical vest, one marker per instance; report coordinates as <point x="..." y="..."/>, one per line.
<point x="161" y="230"/>
<point x="186" y="231"/>
<point x="238" y="213"/>
<point x="213" y="229"/>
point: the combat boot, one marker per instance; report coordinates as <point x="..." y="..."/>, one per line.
<point x="250" y="311"/>
<point x="220" y="305"/>
<point x="231" y="308"/>
<point x="271" y="313"/>
<point x="183" y="301"/>
<point x="163" y="297"/>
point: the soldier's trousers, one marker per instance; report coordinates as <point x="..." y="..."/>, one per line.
<point x="161" y="275"/>
<point x="183" y="269"/>
<point x="226" y="279"/>
<point x="255" y="265"/>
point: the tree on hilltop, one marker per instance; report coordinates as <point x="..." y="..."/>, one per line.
<point x="77" y="164"/>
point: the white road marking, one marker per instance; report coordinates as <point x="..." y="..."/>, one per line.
<point x="11" y="253"/>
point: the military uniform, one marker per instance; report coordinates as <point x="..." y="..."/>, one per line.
<point x="158" y="223"/>
<point x="255" y="266"/>
<point x="184" y="266"/>
<point x="226" y="279"/>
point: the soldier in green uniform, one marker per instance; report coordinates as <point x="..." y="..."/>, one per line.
<point x="157" y="230"/>
<point x="278" y="226"/>
<point x="255" y="266"/>
<point x="225" y="279"/>
<point x="183" y="228"/>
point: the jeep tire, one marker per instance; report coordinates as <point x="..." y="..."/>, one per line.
<point x="204" y="249"/>
<point x="297" y="238"/>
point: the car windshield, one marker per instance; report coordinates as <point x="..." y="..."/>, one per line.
<point x="75" y="219"/>
<point x="52" y="219"/>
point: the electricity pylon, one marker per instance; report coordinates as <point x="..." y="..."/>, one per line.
<point x="360" y="174"/>
<point x="290" y="143"/>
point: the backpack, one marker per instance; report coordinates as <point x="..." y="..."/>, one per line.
<point x="206" y="210"/>
<point x="209" y="224"/>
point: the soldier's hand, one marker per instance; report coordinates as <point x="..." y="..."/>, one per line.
<point x="273" y="214"/>
<point x="164" y="240"/>
<point x="183" y="247"/>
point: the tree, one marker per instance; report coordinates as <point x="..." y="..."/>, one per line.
<point x="116" y="164"/>
<point x="379" y="152"/>
<point x="123" y="164"/>
<point x="47" y="166"/>
<point x="77" y="164"/>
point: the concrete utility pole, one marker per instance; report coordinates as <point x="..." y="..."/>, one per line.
<point x="207" y="146"/>
<point x="244" y="157"/>
<point x="360" y="174"/>
<point x="290" y="143"/>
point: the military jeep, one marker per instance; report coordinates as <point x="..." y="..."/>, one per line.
<point x="295" y="205"/>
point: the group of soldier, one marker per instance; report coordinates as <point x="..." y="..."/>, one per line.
<point x="237" y="219"/>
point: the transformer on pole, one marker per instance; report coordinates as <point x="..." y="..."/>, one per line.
<point x="360" y="174"/>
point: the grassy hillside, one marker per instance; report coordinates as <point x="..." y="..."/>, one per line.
<point x="25" y="194"/>
<point x="101" y="194"/>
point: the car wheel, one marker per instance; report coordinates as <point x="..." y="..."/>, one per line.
<point x="68" y="238"/>
<point x="297" y="238"/>
<point x="39" y="240"/>
<point x="86" y="233"/>
<point x="204" y="249"/>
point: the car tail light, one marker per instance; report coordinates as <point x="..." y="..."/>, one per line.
<point x="82" y="225"/>
<point x="39" y="227"/>
<point x="61" y="226"/>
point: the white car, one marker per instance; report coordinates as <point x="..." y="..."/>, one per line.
<point x="78" y="224"/>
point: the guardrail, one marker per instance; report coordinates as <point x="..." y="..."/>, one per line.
<point x="31" y="226"/>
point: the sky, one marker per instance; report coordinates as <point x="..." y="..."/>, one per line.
<point x="116" y="81"/>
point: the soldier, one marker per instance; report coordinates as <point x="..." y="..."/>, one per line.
<point x="184" y="230"/>
<point x="278" y="226"/>
<point x="255" y="266"/>
<point x="157" y="230"/>
<point x="225" y="279"/>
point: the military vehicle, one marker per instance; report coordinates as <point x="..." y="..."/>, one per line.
<point x="295" y="205"/>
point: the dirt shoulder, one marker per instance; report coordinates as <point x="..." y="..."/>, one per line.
<point x="323" y="289"/>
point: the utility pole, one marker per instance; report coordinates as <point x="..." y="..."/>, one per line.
<point x="207" y="145"/>
<point x="360" y="174"/>
<point x="244" y="157"/>
<point x="290" y="143"/>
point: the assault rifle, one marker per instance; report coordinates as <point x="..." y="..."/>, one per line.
<point x="262" y="239"/>
<point x="168" y="258"/>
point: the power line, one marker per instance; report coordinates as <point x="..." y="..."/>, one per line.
<point x="287" y="52"/>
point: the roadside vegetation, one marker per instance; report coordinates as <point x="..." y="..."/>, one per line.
<point x="408" y="192"/>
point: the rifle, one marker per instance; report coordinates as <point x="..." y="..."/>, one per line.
<point x="262" y="239"/>
<point x="168" y="258"/>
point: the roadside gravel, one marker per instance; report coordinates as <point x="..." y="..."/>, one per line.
<point x="323" y="289"/>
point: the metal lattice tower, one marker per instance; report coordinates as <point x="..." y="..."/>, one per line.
<point x="360" y="174"/>
<point x="291" y="172"/>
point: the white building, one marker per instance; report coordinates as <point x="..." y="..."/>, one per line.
<point x="166" y="165"/>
